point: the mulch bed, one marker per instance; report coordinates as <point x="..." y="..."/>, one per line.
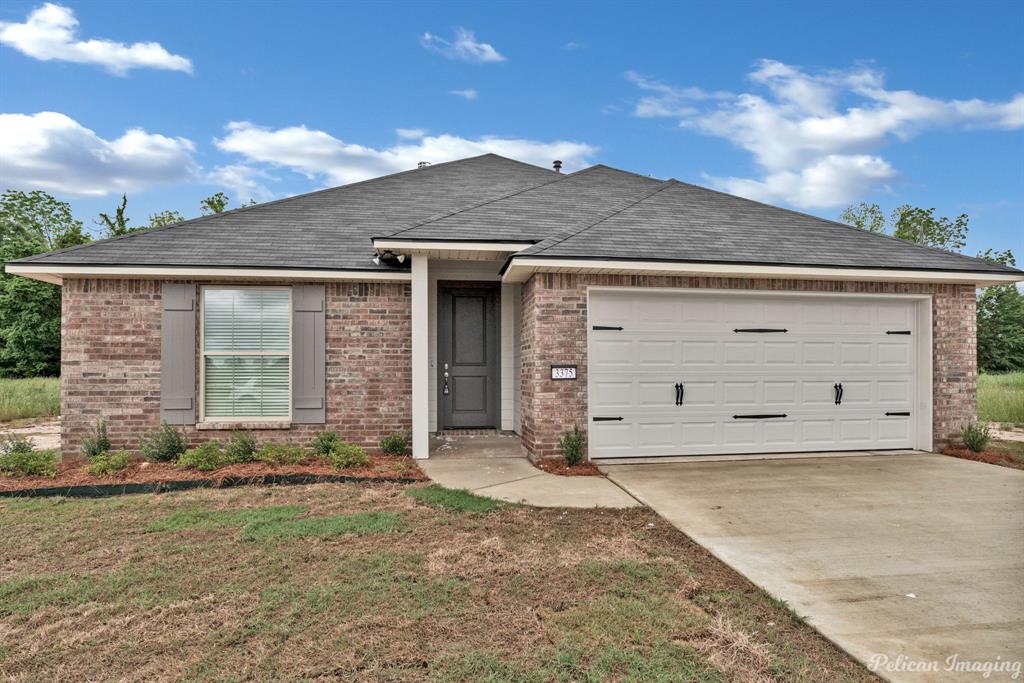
<point x="73" y="475"/>
<point x="583" y="469"/>
<point x="990" y="456"/>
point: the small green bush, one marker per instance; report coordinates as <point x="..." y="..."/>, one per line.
<point x="241" y="447"/>
<point x="108" y="463"/>
<point x="324" y="442"/>
<point x="572" y="444"/>
<point x="207" y="457"/>
<point x="19" y="457"/>
<point x="96" y="443"/>
<point x="281" y="454"/>
<point x="346" y="455"/>
<point x="163" y="444"/>
<point x="396" y="443"/>
<point x="976" y="436"/>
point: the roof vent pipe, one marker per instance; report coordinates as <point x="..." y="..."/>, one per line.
<point x="423" y="164"/>
<point x="558" y="166"/>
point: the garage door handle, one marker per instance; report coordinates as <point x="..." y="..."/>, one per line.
<point x="839" y="393"/>
<point x="897" y="332"/>
<point x="759" y="329"/>
<point x="900" y="414"/>
<point x="607" y="327"/>
<point x="607" y="419"/>
<point x="679" y="394"/>
<point x="763" y="416"/>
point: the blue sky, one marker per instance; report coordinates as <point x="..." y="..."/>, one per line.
<point x="805" y="105"/>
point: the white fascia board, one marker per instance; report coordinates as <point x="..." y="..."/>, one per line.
<point x="450" y="245"/>
<point x="57" y="273"/>
<point x="521" y="268"/>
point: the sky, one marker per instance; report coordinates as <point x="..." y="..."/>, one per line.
<point x="811" y="106"/>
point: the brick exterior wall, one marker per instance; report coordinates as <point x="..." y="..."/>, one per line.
<point x="554" y="330"/>
<point x="110" y="363"/>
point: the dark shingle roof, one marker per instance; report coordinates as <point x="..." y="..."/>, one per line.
<point x="329" y="229"/>
<point x="596" y="213"/>
<point x="681" y="222"/>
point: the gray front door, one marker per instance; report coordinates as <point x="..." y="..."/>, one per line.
<point x="467" y="350"/>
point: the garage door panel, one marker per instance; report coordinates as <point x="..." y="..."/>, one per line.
<point x="790" y="375"/>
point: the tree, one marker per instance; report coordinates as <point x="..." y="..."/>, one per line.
<point x="864" y="216"/>
<point x="162" y="218"/>
<point x="118" y="225"/>
<point x="32" y="223"/>
<point x="1000" y="322"/>
<point x="923" y="227"/>
<point x="215" y="203"/>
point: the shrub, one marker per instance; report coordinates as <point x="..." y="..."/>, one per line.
<point x="208" y="456"/>
<point x="345" y="455"/>
<point x="19" y="456"/>
<point x="396" y="443"/>
<point x="163" y="444"/>
<point x="324" y="442"/>
<point x="96" y="443"/>
<point x="281" y="454"/>
<point x="108" y="463"/>
<point x="976" y="436"/>
<point x="241" y="447"/>
<point x="572" y="446"/>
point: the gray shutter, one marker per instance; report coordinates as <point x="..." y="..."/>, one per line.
<point x="178" y="354"/>
<point x="309" y="354"/>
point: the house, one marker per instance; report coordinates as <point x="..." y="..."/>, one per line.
<point x="665" y="319"/>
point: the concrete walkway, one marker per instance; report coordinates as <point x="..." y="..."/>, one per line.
<point x="496" y="467"/>
<point x="919" y="557"/>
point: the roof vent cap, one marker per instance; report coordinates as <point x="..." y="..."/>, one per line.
<point x="558" y="165"/>
<point x="423" y="164"/>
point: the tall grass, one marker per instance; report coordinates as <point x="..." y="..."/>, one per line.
<point x="33" y="397"/>
<point x="1001" y="398"/>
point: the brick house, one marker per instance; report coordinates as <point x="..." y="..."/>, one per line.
<point x="665" y="319"/>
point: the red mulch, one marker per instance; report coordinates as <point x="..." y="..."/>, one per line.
<point x="75" y="473"/>
<point x="992" y="457"/>
<point x="583" y="469"/>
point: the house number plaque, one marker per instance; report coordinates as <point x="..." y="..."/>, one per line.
<point x="563" y="372"/>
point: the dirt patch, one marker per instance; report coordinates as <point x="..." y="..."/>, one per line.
<point x="43" y="435"/>
<point x="991" y="456"/>
<point x="75" y="473"/>
<point x="583" y="469"/>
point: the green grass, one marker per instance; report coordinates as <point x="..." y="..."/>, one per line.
<point x="1001" y="398"/>
<point x="208" y="519"/>
<point x="27" y="398"/>
<point x="454" y="500"/>
<point x="322" y="527"/>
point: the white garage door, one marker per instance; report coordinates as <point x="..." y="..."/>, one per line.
<point x="699" y="374"/>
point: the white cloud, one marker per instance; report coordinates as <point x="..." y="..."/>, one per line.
<point x="464" y="47"/>
<point x="812" y="150"/>
<point x="410" y="133"/>
<point x="321" y="156"/>
<point x="243" y="182"/>
<point x="50" y="151"/>
<point x="49" y="34"/>
<point x="575" y="45"/>
<point x="468" y="94"/>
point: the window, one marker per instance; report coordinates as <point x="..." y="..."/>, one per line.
<point x="246" y="353"/>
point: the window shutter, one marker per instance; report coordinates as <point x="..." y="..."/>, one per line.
<point x="178" y="354"/>
<point x="309" y="354"/>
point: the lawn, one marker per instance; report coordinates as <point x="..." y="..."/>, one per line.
<point x="1001" y="398"/>
<point x="344" y="582"/>
<point x="26" y="398"/>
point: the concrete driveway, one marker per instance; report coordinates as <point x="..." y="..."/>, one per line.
<point x="903" y="560"/>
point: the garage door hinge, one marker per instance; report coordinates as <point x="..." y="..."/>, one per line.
<point x="607" y="327"/>
<point x="607" y="419"/>
<point x="759" y="329"/>
<point x="897" y="331"/>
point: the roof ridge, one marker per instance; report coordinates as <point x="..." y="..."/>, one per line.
<point x="272" y="202"/>
<point x="602" y="217"/>
<point x="489" y="200"/>
<point x="838" y="224"/>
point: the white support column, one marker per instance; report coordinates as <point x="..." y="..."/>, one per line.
<point x="508" y="312"/>
<point x="420" y="358"/>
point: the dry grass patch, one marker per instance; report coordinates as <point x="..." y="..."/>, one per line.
<point x="367" y="583"/>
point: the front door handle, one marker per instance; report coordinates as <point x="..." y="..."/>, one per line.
<point x="445" y="390"/>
